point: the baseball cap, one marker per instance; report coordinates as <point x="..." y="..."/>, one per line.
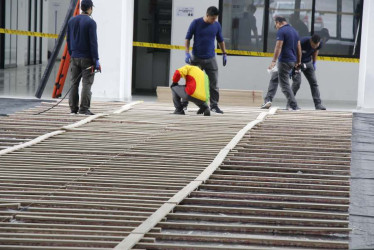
<point x="87" y="3"/>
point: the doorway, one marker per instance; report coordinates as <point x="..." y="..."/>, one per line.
<point x="152" y="24"/>
<point x="2" y="36"/>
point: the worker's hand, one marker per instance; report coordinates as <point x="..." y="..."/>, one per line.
<point x="272" y="65"/>
<point x="314" y="66"/>
<point x="224" y="57"/>
<point x="98" y="66"/>
<point x="188" y="58"/>
<point x="173" y="84"/>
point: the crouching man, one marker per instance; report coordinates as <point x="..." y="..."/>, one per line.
<point x="196" y="89"/>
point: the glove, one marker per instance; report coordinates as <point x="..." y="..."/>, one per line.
<point x="188" y="58"/>
<point x="173" y="84"/>
<point x="315" y="66"/>
<point x="98" y="66"/>
<point x="224" y="59"/>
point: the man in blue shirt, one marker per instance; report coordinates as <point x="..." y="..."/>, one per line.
<point x="310" y="47"/>
<point x="83" y="49"/>
<point x="288" y="54"/>
<point x="205" y="31"/>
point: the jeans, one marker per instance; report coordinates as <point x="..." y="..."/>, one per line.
<point x="310" y="75"/>
<point x="282" y="78"/>
<point x="179" y="94"/>
<point x="78" y="72"/>
<point x="211" y="69"/>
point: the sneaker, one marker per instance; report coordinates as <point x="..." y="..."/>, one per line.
<point x="87" y="112"/>
<point x="73" y="112"/>
<point x="178" y="112"/>
<point x="294" y="109"/>
<point x="320" y="107"/>
<point x="204" y="110"/>
<point x="266" y="105"/>
<point x="217" y="110"/>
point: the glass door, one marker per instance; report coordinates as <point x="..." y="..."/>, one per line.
<point x="10" y="41"/>
<point x="34" y="48"/>
<point x="2" y="36"/>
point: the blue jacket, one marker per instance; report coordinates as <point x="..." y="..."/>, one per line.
<point x="82" y="38"/>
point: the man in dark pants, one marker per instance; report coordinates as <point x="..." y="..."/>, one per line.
<point x="83" y="49"/>
<point x="310" y="47"/>
<point x="205" y="30"/>
<point x="288" y="54"/>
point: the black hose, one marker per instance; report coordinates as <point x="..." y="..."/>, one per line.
<point x="76" y="79"/>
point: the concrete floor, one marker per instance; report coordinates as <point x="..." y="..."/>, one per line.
<point x="22" y="82"/>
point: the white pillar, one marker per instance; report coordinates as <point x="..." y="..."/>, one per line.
<point x="366" y="76"/>
<point x="115" y="20"/>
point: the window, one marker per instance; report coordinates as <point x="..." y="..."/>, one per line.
<point x="339" y="21"/>
<point x="242" y="24"/>
<point x="298" y="14"/>
<point x="342" y="18"/>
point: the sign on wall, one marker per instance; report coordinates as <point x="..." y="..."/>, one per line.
<point x="185" y="11"/>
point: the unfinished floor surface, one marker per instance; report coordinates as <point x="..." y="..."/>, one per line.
<point x="91" y="186"/>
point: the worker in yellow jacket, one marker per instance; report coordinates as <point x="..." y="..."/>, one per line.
<point x="196" y="89"/>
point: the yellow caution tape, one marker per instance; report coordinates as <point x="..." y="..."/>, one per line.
<point x="28" y="33"/>
<point x="240" y="52"/>
<point x="177" y="47"/>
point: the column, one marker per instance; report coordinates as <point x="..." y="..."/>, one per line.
<point x="366" y="76"/>
<point x="361" y="209"/>
<point x="115" y="20"/>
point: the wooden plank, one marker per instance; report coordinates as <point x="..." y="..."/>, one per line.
<point x="228" y="97"/>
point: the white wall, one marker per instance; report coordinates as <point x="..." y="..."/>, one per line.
<point x="366" y="79"/>
<point x="115" y="36"/>
<point x="337" y="81"/>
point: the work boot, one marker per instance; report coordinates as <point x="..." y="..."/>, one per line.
<point x="216" y="109"/>
<point x="85" y="112"/>
<point x="320" y="107"/>
<point x="266" y="105"/>
<point x="73" y="110"/>
<point x="179" y="112"/>
<point x="297" y="108"/>
<point x="204" y="110"/>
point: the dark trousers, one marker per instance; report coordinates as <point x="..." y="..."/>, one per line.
<point x="282" y="78"/>
<point x="310" y="75"/>
<point x="211" y="69"/>
<point x="179" y="94"/>
<point x="79" y="71"/>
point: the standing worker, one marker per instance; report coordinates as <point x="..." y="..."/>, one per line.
<point x="310" y="47"/>
<point x="205" y="30"/>
<point x="288" y="54"/>
<point x="83" y="49"/>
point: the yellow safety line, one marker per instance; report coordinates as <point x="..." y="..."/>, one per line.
<point x="177" y="47"/>
<point x="28" y="33"/>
